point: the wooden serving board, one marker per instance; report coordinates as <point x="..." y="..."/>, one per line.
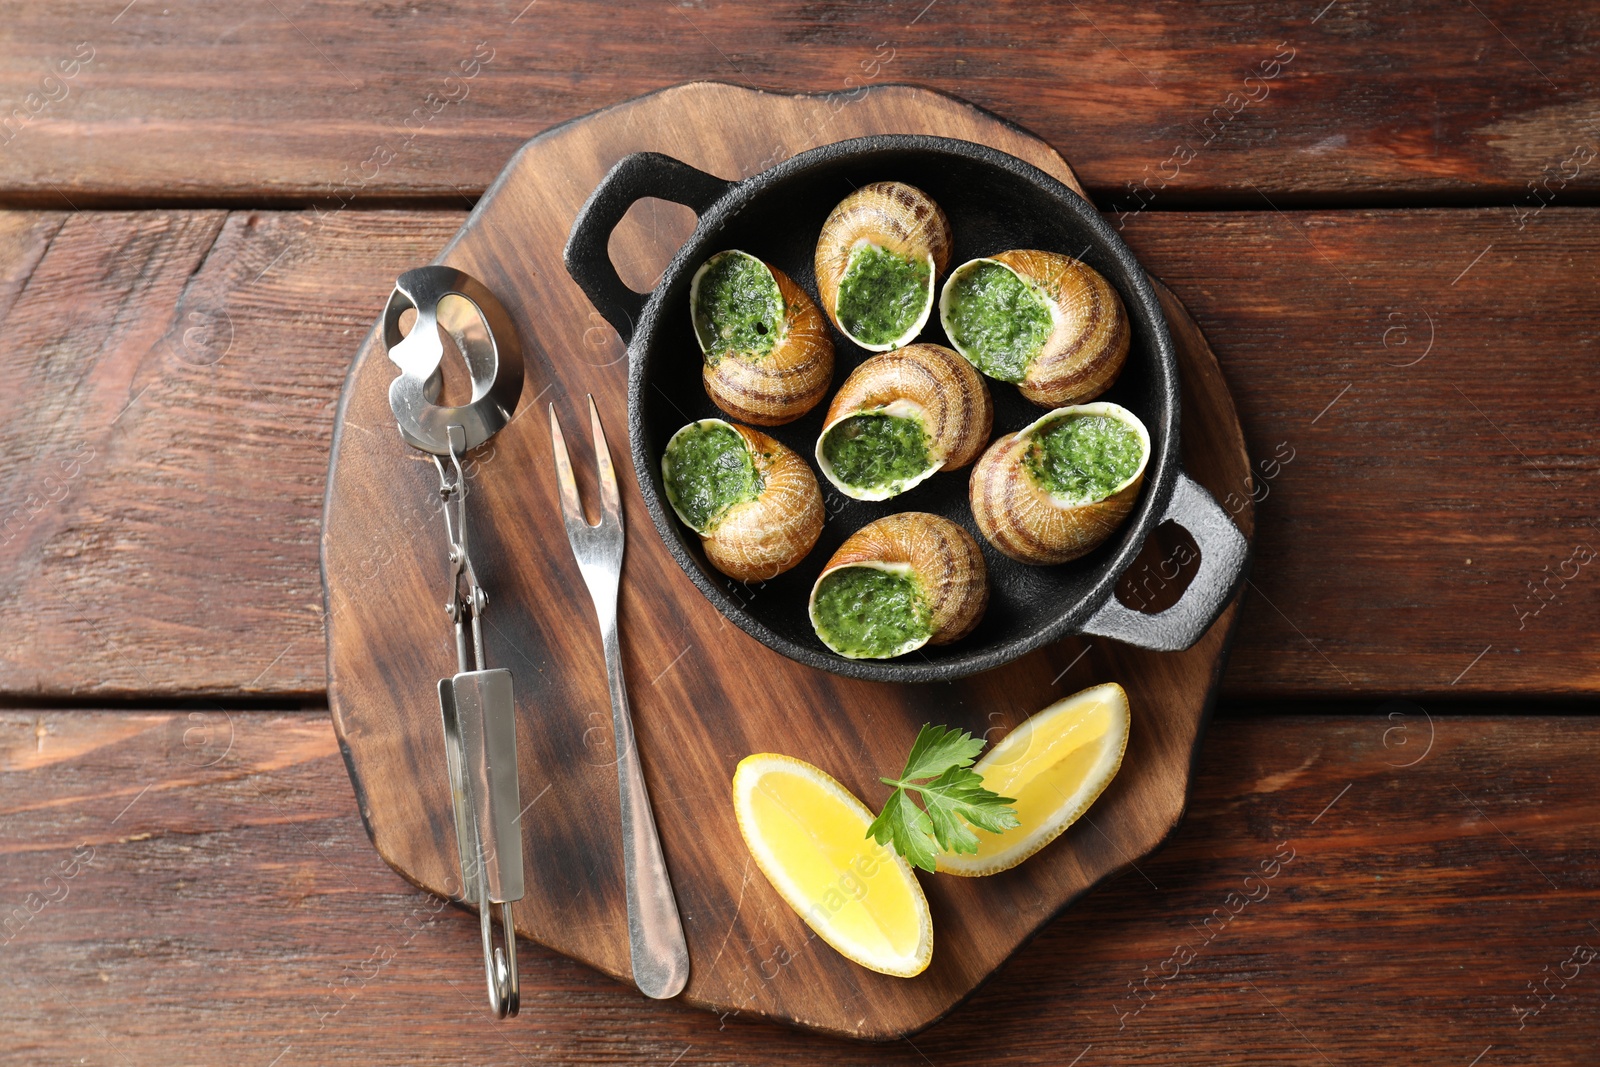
<point x="704" y="693"/>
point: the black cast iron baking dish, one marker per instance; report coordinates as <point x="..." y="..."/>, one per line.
<point x="995" y="202"/>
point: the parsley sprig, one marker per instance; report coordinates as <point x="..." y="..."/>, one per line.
<point x="953" y="798"/>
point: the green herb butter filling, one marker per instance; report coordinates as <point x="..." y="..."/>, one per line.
<point x="1085" y="457"/>
<point x="998" y="320"/>
<point x="882" y="295"/>
<point x="707" y="469"/>
<point x="874" y="450"/>
<point x="867" y="613"/>
<point x="738" y="308"/>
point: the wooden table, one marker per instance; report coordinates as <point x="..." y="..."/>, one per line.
<point x="1391" y="242"/>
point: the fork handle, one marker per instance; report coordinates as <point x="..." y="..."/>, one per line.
<point x="660" y="955"/>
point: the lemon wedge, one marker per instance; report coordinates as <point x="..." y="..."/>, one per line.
<point x="1055" y="764"/>
<point x="808" y="834"/>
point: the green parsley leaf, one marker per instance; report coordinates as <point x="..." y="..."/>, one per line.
<point x="938" y="748"/>
<point x="908" y="828"/>
<point x="953" y="799"/>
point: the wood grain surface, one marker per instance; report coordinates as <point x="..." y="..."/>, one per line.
<point x="296" y="100"/>
<point x="213" y="415"/>
<point x="704" y="695"/>
<point x="233" y="911"/>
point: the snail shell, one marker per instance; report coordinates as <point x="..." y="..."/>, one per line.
<point x="759" y="538"/>
<point x="942" y="560"/>
<point x="1024" y="519"/>
<point x="928" y="384"/>
<point x="1088" y="342"/>
<point x="892" y="217"/>
<point x="780" y="384"/>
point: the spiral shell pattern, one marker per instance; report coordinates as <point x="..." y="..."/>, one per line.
<point x="758" y="539"/>
<point x="1025" y="520"/>
<point x="1088" y="345"/>
<point x="784" y="383"/>
<point x="896" y="217"/>
<point x="925" y="381"/>
<point x="762" y="538"/>
<point x="943" y="558"/>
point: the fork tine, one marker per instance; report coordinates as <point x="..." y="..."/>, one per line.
<point x="610" y="498"/>
<point x="571" y="506"/>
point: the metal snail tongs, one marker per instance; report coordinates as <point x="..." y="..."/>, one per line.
<point x="475" y="704"/>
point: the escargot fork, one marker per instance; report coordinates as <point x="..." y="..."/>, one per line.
<point x="658" y="951"/>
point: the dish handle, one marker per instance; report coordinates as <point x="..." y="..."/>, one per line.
<point x="635" y="177"/>
<point x="1224" y="552"/>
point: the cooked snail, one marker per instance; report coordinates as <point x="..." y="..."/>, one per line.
<point x="879" y="256"/>
<point x="768" y="357"/>
<point x="754" y="503"/>
<point x="900" y="417"/>
<point x="1046" y="321"/>
<point x="1057" y="488"/>
<point x="897" y="584"/>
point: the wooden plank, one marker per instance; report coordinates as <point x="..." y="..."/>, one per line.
<point x="163" y="471"/>
<point x="1419" y="375"/>
<point x="232" y="902"/>
<point x="24" y="236"/>
<point x="298" y="100"/>
<point x="1363" y="537"/>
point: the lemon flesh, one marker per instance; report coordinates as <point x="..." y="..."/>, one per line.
<point x="808" y="834"/>
<point x="1055" y="764"/>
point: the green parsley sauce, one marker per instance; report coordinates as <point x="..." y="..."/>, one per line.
<point x="998" y="320"/>
<point x="1085" y="457"/>
<point x="881" y="295"/>
<point x="738" y="308"/>
<point x="707" y="469"/>
<point x="875" y="449"/>
<point x="869" y="613"/>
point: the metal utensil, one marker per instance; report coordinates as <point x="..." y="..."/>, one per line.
<point x="656" y="944"/>
<point x="476" y="705"/>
